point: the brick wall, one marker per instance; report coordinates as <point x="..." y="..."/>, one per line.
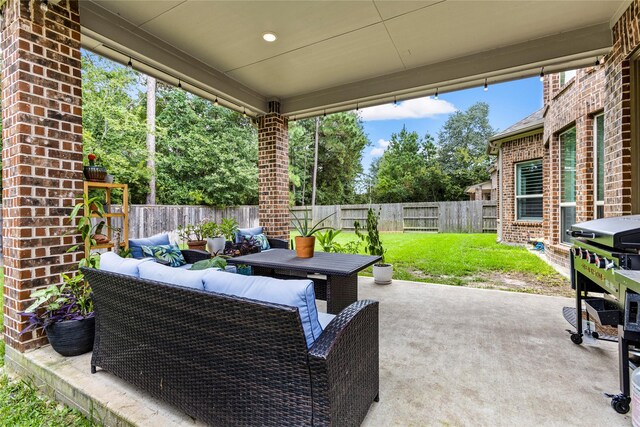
<point x="273" y="173"/>
<point x="573" y="104"/>
<point x="512" y="152"/>
<point x="42" y="152"/>
<point x="619" y="149"/>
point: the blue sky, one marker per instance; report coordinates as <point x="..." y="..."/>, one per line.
<point x="508" y="103"/>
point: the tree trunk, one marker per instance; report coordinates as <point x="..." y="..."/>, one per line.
<point x="151" y="138"/>
<point x="315" y="164"/>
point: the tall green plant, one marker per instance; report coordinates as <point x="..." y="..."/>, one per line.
<point x="372" y="236"/>
<point x="304" y="229"/>
<point x="82" y="214"/>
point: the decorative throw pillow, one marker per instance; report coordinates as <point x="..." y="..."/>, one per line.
<point x="260" y="239"/>
<point x="167" y="253"/>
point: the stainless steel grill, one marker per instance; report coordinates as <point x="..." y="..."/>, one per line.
<point x="605" y="260"/>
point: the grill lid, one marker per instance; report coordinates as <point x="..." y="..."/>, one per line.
<point x="621" y="232"/>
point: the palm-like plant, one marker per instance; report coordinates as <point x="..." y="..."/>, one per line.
<point x="304" y="229"/>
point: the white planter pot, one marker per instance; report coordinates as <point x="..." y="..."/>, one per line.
<point x="215" y="245"/>
<point x="382" y="274"/>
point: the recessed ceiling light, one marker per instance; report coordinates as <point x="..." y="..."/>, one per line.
<point x="269" y="37"/>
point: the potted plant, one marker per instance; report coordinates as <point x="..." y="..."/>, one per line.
<point x="306" y="240"/>
<point x="228" y="228"/>
<point x="382" y="272"/>
<point x="215" y="239"/>
<point x="93" y="172"/>
<point x="192" y="233"/>
<point x="66" y="311"/>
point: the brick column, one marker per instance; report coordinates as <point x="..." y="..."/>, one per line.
<point x="42" y="152"/>
<point x="273" y="172"/>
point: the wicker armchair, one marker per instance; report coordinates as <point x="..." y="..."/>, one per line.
<point x="232" y="361"/>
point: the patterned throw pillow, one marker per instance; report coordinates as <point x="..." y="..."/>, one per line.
<point x="168" y="253"/>
<point x="260" y="239"/>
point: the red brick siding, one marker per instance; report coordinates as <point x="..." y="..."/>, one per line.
<point x="513" y="152"/>
<point x="618" y="146"/>
<point x="573" y="104"/>
<point x="42" y="152"/>
<point x="273" y="174"/>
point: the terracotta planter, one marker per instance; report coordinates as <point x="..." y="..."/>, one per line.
<point x="197" y="244"/>
<point x="72" y="337"/>
<point x="304" y="246"/>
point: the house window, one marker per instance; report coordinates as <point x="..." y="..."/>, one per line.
<point x="566" y="76"/>
<point x="598" y="136"/>
<point x="567" y="182"/>
<point x="529" y="191"/>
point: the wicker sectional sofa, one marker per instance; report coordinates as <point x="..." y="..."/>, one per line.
<point x="228" y="360"/>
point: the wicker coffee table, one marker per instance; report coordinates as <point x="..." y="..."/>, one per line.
<point x="335" y="276"/>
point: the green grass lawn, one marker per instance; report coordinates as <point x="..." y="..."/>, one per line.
<point x="21" y="404"/>
<point x="467" y="260"/>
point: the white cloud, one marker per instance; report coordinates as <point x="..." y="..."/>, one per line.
<point x="382" y="143"/>
<point x="412" y="109"/>
<point x="379" y="150"/>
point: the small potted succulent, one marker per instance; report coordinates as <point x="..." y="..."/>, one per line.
<point x="306" y="240"/>
<point x="93" y="172"/>
<point x="382" y="272"/>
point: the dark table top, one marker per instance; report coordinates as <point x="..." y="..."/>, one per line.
<point x="321" y="262"/>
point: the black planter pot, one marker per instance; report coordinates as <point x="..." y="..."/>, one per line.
<point x="72" y="337"/>
<point x="95" y="173"/>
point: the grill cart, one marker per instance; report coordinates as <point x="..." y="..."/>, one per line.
<point x="605" y="260"/>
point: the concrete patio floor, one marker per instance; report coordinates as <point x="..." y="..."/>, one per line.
<point x="449" y="356"/>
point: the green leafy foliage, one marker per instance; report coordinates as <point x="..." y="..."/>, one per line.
<point x="462" y="144"/>
<point x="21" y="404"/>
<point x="326" y="239"/>
<point x="206" y="155"/>
<point x="228" y="228"/>
<point x="113" y="124"/>
<point x="373" y="245"/>
<point x="217" y="262"/>
<point x="341" y="142"/>
<point x="415" y="169"/>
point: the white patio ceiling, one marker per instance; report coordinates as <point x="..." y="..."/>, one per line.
<point x="330" y="55"/>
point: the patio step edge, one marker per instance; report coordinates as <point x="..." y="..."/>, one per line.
<point x="61" y="390"/>
<point x="101" y="397"/>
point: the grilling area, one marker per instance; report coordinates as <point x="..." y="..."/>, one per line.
<point x="448" y="355"/>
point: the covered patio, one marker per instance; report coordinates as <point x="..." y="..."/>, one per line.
<point x="515" y="363"/>
<point x="448" y="356"/>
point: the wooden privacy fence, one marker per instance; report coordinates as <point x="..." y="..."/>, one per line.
<point x="147" y="220"/>
<point x="440" y="217"/>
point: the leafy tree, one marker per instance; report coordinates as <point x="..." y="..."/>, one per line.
<point x="462" y="148"/>
<point x="342" y="140"/>
<point x="409" y="171"/>
<point x="112" y="122"/>
<point x="205" y="154"/>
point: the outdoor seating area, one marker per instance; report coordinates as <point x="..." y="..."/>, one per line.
<point x="447" y="355"/>
<point x="238" y="291"/>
